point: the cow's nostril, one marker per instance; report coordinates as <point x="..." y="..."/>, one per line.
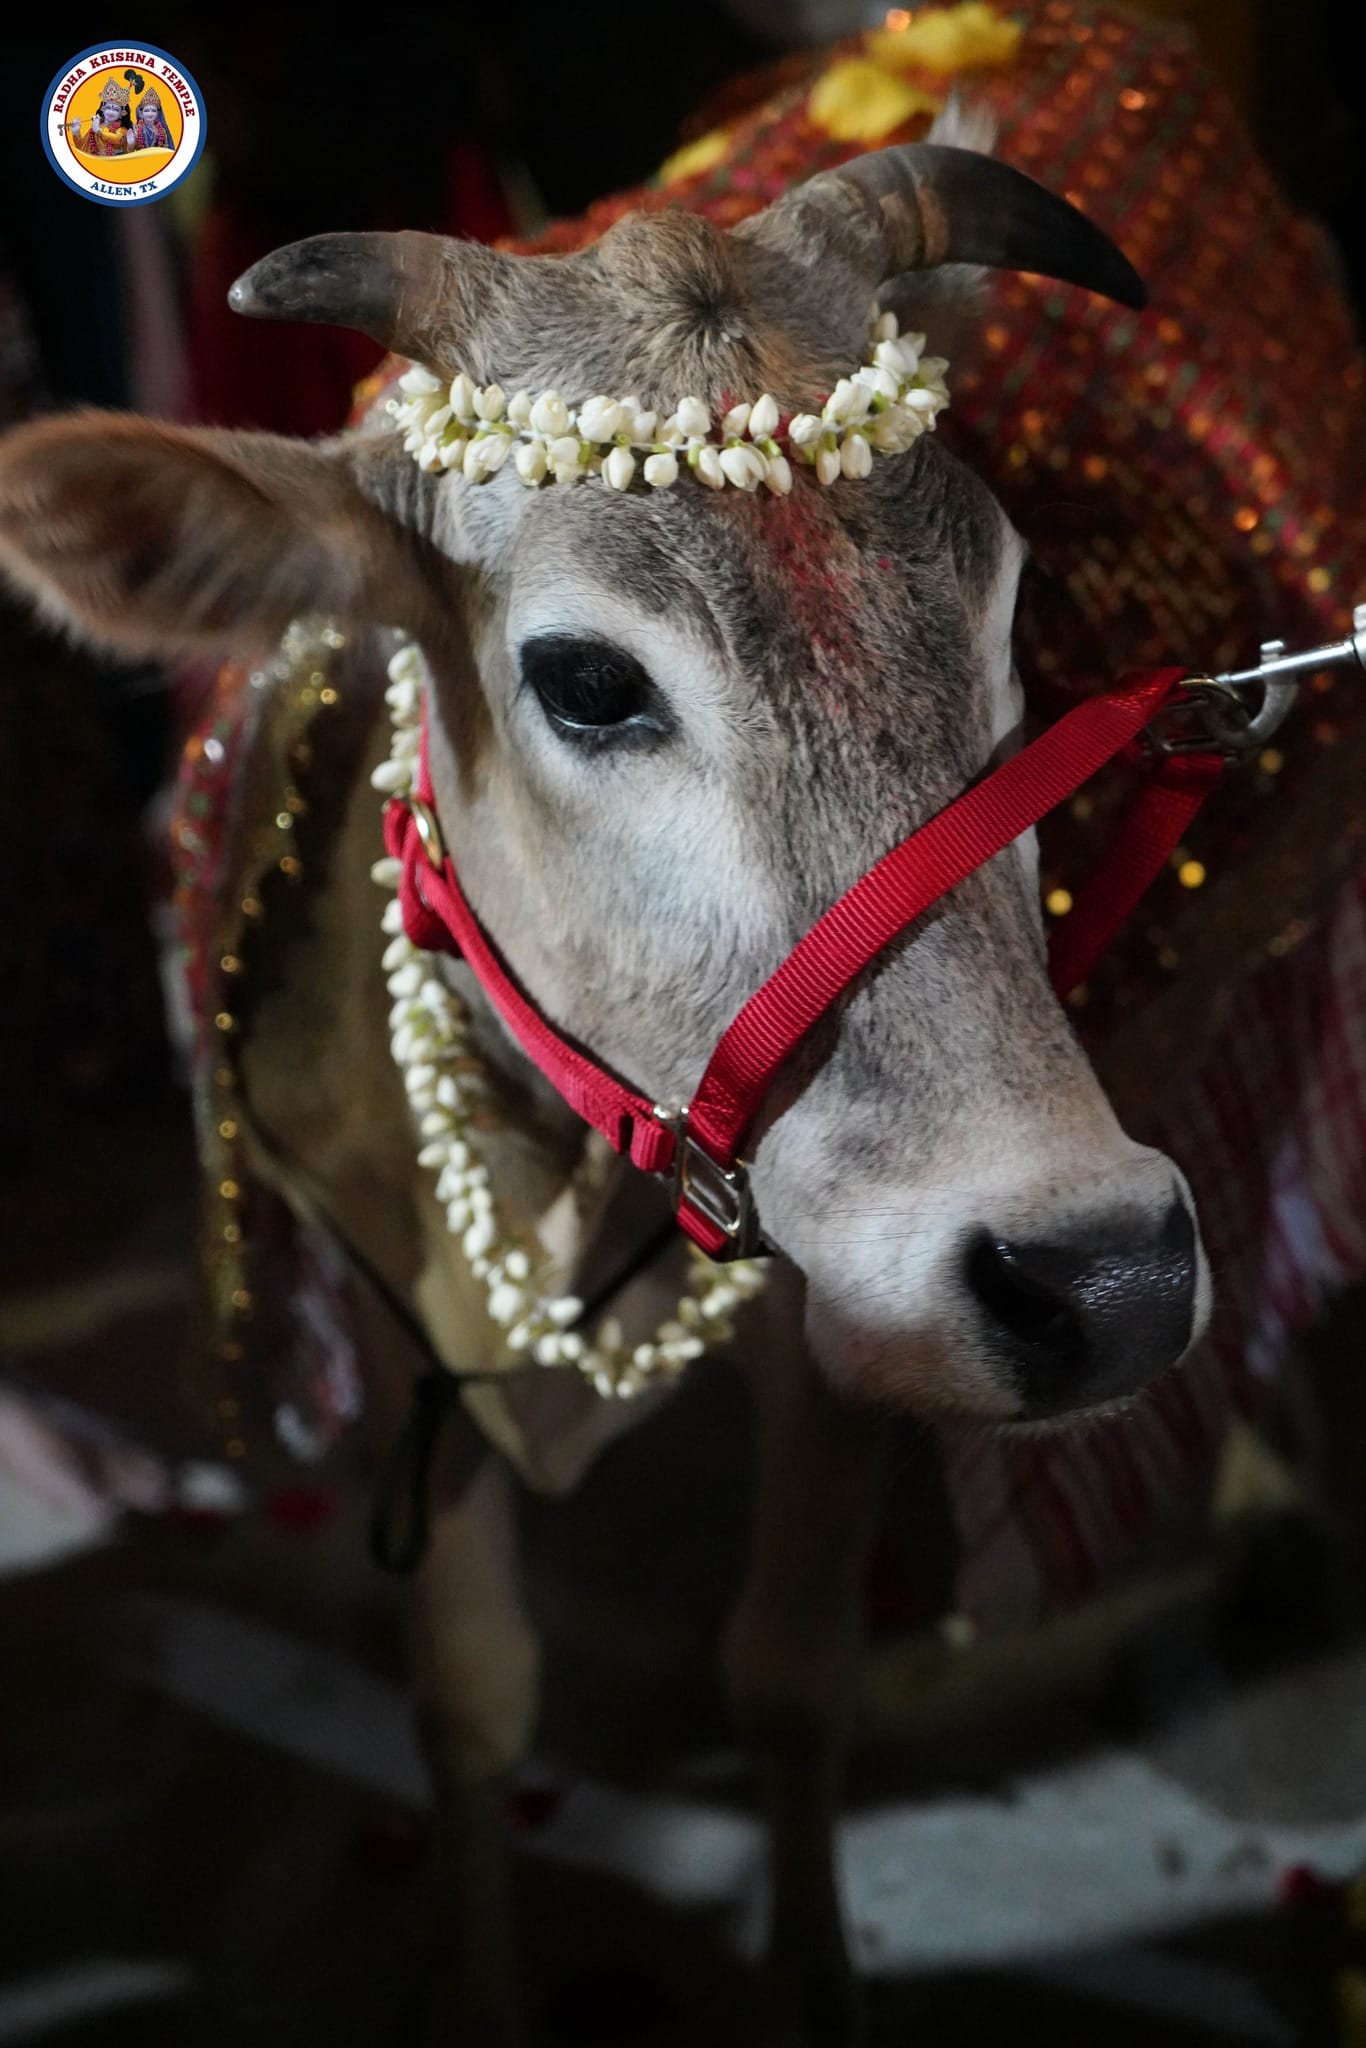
<point x="1029" y="1306"/>
<point x="1088" y="1317"/>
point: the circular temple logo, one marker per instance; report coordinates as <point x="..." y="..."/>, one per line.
<point x="122" y="126"/>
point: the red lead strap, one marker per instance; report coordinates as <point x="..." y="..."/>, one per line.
<point x="702" y="1146"/>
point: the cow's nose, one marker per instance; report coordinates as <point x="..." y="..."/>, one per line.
<point x="1091" y="1316"/>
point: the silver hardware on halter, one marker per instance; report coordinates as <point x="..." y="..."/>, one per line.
<point x="1213" y="716"/>
<point x="721" y="1194"/>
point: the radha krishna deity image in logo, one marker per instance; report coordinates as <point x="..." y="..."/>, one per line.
<point x="123" y="125"/>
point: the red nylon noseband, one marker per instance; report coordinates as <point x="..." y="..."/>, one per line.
<point x="702" y="1145"/>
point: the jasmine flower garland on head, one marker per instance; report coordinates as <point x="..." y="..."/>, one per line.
<point x="883" y="408"/>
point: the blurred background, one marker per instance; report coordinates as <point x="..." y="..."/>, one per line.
<point x="212" y="1817"/>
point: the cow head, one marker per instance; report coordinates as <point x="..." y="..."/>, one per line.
<point x="670" y="728"/>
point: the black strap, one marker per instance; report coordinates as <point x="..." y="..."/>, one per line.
<point x="400" y="1522"/>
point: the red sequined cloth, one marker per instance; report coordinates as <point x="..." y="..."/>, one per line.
<point x="1191" y="481"/>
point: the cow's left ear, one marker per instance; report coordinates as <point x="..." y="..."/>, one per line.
<point x="158" y="539"/>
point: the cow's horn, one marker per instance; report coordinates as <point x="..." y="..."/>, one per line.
<point x="944" y="205"/>
<point x="393" y="287"/>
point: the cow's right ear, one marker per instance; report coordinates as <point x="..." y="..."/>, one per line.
<point x="158" y="539"/>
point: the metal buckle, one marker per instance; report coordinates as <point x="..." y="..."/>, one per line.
<point x="719" y="1194"/>
<point x="1212" y="715"/>
<point x="428" y="831"/>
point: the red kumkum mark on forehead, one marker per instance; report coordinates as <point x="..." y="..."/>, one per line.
<point x="827" y="594"/>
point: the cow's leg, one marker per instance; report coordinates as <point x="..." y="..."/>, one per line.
<point x="475" y="1665"/>
<point x="791" y="1658"/>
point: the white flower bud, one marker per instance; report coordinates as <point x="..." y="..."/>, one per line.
<point x="693" y="418"/>
<point x="517" y="1265"/>
<point x="885" y="327"/>
<point x="550" y="415"/>
<point x="736" y="421"/>
<point x="881" y="383"/>
<point x="848" y="401"/>
<point x="531" y="461"/>
<point x="519" y="409"/>
<point x="599" y="419"/>
<point x="924" y="402"/>
<point x="392" y="918"/>
<point x="506" y="1303"/>
<point x="661" y="471"/>
<point x="391" y="776"/>
<point x="490" y="402"/>
<point x="619" y="468"/>
<point x="453" y="453"/>
<point x="485" y="456"/>
<point x="856" y="457"/>
<point x="479" y="1238"/>
<point x="827" y="464"/>
<point x="804" y="429"/>
<point x="642" y="428"/>
<point x="708" y="467"/>
<point x="887" y="356"/>
<point x="565" y="452"/>
<point x="779" y="476"/>
<point x="462" y="397"/>
<point x="763" y="417"/>
<point x="566" y="1309"/>
<point x="895" y="430"/>
<point x="744" y="466"/>
<point x="418" y="382"/>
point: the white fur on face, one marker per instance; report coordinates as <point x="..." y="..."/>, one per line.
<point x="649" y="855"/>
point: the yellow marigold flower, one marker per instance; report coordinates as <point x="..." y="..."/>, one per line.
<point x="856" y="101"/>
<point x="947" y="39"/>
<point x="694" y="157"/>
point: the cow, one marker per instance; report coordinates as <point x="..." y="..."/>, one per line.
<point x="667" y="729"/>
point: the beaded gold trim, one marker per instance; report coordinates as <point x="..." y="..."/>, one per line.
<point x="300" y="681"/>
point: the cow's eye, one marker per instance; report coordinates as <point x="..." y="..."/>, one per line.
<point x="591" y="689"/>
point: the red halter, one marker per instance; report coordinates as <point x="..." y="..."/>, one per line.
<point x="700" y="1146"/>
